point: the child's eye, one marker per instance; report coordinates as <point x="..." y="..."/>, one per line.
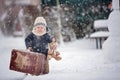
<point x="38" y="27"/>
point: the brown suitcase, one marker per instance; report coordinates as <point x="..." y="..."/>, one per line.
<point x="29" y="62"/>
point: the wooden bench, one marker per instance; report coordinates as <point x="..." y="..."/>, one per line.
<point x="101" y="32"/>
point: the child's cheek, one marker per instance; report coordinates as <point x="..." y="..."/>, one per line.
<point x="37" y="30"/>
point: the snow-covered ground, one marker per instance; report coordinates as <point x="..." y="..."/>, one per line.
<point x="80" y="61"/>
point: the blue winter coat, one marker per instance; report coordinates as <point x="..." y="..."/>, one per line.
<point x="38" y="43"/>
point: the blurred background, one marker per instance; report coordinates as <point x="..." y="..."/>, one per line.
<point x="67" y="20"/>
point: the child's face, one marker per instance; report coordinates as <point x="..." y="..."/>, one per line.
<point x="40" y="29"/>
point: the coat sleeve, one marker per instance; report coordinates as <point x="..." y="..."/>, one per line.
<point x="28" y="40"/>
<point x="49" y="38"/>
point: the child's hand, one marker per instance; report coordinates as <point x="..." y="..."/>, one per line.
<point x="53" y="40"/>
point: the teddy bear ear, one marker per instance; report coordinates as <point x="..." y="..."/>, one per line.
<point x="53" y="39"/>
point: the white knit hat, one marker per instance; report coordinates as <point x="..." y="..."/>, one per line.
<point x="40" y="21"/>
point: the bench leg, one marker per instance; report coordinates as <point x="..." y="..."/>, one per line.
<point x="100" y="39"/>
<point x="96" y="43"/>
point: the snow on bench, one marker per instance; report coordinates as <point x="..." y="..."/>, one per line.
<point x="101" y="32"/>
